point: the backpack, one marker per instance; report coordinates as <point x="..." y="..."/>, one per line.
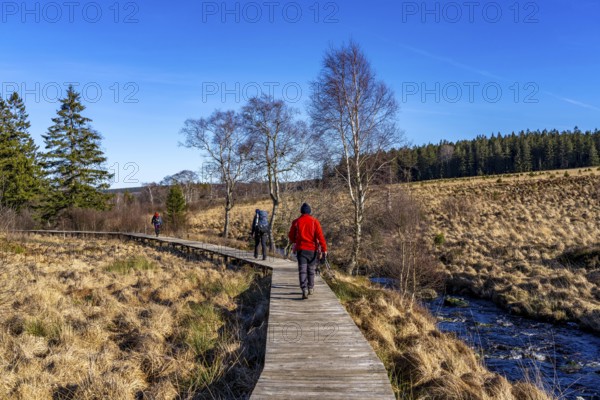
<point x="262" y="223"/>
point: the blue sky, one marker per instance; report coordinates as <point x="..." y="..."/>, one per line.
<point x="459" y="69"/>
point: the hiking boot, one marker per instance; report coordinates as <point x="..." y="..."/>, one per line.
<point x="311" y="291"/>
<point x="304" y="295"/>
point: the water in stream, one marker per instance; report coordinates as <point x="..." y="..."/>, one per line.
<point x="565" y="359"/>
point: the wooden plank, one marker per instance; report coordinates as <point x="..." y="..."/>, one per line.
<point x="314" y="350"/>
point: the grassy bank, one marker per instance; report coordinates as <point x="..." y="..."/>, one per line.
<point x="105" y="319"/>
<point x="422" y="362"/>
<point x="526" y="242"/>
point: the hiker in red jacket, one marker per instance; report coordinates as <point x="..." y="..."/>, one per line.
<point x="307" y="235"/>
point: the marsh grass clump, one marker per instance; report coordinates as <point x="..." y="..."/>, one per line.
<point x="348" y="291"/>
<point x="130" y="264"/>
<point x="12" y="247"/>
<point x="439" y="239"/>
<point x="232" y="287"/>
<point x="455" y="302"/>
<point x="36" y="327"/>
<point x="202" y="327"/>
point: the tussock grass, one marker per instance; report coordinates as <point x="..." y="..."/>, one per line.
<point x="202" y="328"/>
<point x="129" y="264"/>
<point x="10" y="246"/>
<point x="105" y="319"/>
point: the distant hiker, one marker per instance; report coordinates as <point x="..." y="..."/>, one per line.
<point x="260" y="230"/>
<point x="157" y="222"/>
<point x="307" y="235"/>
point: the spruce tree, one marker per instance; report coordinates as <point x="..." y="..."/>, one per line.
<point x="20" y="170"/>
<point x="74" y="161"/>
<point x="175" y="206"/>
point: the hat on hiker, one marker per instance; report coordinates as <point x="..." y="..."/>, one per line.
<point x="305" y="209"/>
<point x="156" y="214"/>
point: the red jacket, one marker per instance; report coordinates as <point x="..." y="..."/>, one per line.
<point x="306" y="233"/>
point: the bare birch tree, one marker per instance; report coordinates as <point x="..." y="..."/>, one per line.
<point x="221" y="136"/>
<point x="355" y="114"/>
<point x="281" y="144"/>
<point x="187" y="180"/>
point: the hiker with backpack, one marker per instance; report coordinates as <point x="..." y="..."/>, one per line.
<point x="307" y="236"/>
<point x="260" y="231"/>
<point x="157" y="222"/>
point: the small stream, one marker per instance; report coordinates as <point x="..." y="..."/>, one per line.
<point x="562" y="358"/>
<point x="565" y="359"/>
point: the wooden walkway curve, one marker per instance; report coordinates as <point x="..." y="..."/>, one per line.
<point x="314" y="349"/>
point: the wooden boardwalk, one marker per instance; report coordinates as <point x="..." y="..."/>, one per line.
<point x="314" y="348"/>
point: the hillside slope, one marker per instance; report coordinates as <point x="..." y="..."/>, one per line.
<point x="526" y="243"/>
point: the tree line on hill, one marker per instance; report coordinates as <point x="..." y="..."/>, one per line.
<point x="514" y="153"/>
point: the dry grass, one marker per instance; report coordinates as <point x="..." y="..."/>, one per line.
<point x="91" y="319"/>
<point x="516" y="241"/>
<point x="209" y="222"/>
<point x="422" y="362"/>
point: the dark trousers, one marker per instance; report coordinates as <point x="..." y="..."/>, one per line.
<point x="260" y="238"/>
<point x="307" y="264"/>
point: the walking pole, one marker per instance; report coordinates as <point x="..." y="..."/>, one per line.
<point x="328" y="266"/>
